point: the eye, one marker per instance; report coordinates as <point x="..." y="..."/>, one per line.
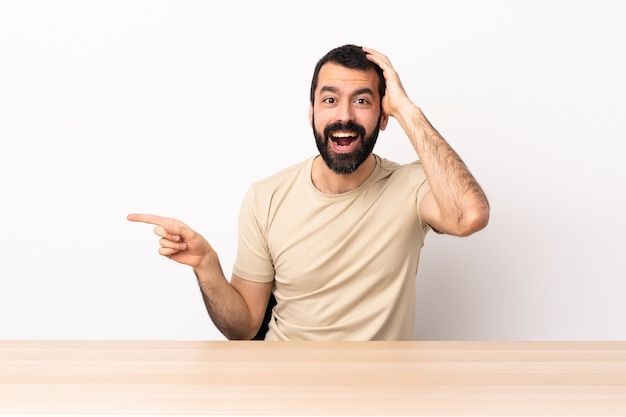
<point x="329" y="100"/>
<point x="361" y="101"/>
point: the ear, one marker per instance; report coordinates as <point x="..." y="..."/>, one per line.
<point x="384" y="119"/>
<point x="311" y="115"/>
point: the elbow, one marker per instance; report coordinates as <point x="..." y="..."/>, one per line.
<point x="473" y="221"/>
<point x="239" y="335"/>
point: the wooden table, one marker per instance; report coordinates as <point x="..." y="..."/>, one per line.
<point x="313" y="378"/>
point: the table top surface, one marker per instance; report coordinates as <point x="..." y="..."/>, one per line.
<point x="463" y="378"/>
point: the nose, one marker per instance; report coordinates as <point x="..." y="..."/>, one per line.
<point x="345" y="112"/>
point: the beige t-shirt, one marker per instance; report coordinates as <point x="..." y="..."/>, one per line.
<point x="343" y="265"/>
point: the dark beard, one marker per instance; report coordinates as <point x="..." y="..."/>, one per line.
<point x="345" y="163"/>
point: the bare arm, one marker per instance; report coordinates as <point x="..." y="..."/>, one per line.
<point x="236" y="307"/>
<point x="456" y="205"/>
<point x="237" y="314"/>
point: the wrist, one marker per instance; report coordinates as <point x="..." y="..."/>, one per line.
<point x="208" y="266"/>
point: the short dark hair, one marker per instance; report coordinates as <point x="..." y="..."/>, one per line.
<point x="349" y="56"/>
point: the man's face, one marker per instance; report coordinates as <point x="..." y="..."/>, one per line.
<point x="346" y="116"/>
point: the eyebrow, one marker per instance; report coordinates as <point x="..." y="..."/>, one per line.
<point x="364" y="90"/>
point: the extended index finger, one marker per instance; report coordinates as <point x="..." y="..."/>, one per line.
<point x="147" y="218"/>
<point x="169" y="225"/>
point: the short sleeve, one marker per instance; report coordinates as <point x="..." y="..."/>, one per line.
<point x="253" y="261"/>
<point x="417" y="171"/>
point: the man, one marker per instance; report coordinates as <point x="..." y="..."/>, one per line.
<point x="336" y="238"/>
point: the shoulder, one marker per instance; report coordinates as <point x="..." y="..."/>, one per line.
<point x="264" y="190"/>
<point x="413" y="170"/>
<point x="282" y="176"/>
<point x="403" y="181"/>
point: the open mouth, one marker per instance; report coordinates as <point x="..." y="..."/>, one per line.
<point x="344" y="141"/>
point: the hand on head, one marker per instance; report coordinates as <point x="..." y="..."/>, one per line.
<point x="395" y="97"/>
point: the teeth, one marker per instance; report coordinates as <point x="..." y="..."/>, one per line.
<point x="344" y="135"/>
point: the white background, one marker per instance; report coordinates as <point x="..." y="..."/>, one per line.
<point x="175" y="107"/>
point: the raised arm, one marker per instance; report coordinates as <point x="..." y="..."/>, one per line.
<point x="236" y="307"/>
<point x="456" y="205"/>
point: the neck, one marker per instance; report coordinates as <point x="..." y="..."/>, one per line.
<point x="327" y="181"/>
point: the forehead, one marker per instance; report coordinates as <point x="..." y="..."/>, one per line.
<point x="346" y="79"/>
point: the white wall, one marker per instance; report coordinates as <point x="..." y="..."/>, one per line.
<point x="174" y="107"/>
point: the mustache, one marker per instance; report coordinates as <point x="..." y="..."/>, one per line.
<point x="349" y="126"/>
